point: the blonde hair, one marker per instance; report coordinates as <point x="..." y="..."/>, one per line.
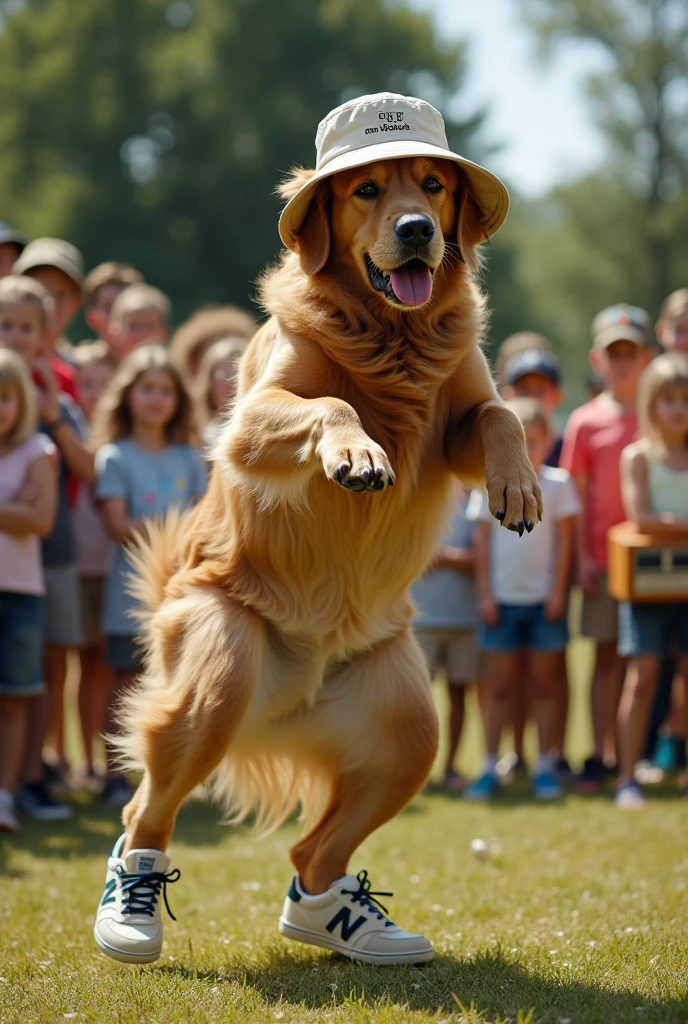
<point x="141" y="296"/>
<point x="220" y="352"/>
<point x="674" y="305"/>
<point x="666" y="371"/>
<point x="522" y="341"/>
<point x="206" y="326"/>
<point x="530" y="412"/>
<point x="15" y="288"/>
<point x="92" y="353"/>
<point x="113" y="420"/>
<point x="109" y="273"/>
<point x="13" y="372"/>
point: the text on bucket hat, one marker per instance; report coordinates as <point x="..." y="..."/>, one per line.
<point x="621" y="323"/>
<point x="52" y="252"/>
<point x="387" y="126"/>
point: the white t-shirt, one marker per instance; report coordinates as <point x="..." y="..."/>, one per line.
<point x="522" y="568"/>
<point x="21" y="571"/>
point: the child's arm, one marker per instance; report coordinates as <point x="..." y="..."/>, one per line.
<point x="74" y="450"/>
<point x="635" y="496"/>
<point x="120" y="527"/>
<point x="489" y="610"/>
<point x="564" y="534"/>
<point x="34" y="511"/>
<point x="459" y="559"/>
<point x="587" y="571"/>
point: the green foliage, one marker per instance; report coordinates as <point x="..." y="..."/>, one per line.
<point x="155" y="132"/>
<point x="619" y="234"/>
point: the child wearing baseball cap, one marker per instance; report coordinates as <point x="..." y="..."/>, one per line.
<point x="672" y="326"/>
<point x="595" y="436"/>
<point x="59" y="267"/>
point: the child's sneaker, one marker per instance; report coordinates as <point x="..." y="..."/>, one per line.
<point x="128" y="925"/>
<point x="484" y="788"/>
<point x="36" y="800"/>
<point x="8" y="819"/>
<point x="629" y="796"/>
<point x="349" y="920"/>
<point x="546" y="787"/>
<point x="511" y="767"/>
<point x="592" y="778"/>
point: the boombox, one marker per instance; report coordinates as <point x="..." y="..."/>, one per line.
<point x="648" y="566"/>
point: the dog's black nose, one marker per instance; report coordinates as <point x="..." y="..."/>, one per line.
<point x="415" y="229"/>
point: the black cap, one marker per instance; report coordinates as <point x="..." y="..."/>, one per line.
<point x="533" y="360"/>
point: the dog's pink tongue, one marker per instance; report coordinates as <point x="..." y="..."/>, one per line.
<point x="412" y="284"/>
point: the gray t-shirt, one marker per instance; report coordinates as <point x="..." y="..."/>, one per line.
<point x="59" y="547"/>
<point x="151" y="483"/>
<point x="446" y="599"/>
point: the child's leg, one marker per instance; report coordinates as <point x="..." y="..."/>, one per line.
<point x="457" y="705"/>
<point x="13" y="719"/>
<point x="463" y="663"/>
<point x="95" y="685"/>
<point x="638" y="692"/>
<point x="122" y="683"/>
<point x="561" y="703"/>
<point x="544" y="666"/>
<point x="42" y="712"/>
<point x="604" y="696"/>
<point x="55" y="661"/>
<point x="521" y="705"/>
<point x="501" y="672"/>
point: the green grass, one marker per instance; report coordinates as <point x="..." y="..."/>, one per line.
<point x="580" y="917"/>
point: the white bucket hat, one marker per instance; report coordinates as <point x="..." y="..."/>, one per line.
<point x="387" y="126"/>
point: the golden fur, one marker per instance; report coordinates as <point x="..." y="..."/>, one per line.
<point x="276" y="615"/>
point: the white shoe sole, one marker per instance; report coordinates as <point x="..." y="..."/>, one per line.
<point x="124" y="956"/>
<point x="291" y="931"/>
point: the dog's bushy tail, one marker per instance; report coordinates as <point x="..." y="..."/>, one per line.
<point x="151" y="557"/>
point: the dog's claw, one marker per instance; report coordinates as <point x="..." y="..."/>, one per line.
<point x="529" y="526"/>
<point x="499" y="514"/>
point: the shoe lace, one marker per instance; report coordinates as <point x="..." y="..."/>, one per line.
<point x="367" y="898"/>
<point x="140" y="890"/>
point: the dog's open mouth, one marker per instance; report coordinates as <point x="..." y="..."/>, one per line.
<point x="408" y="285"/>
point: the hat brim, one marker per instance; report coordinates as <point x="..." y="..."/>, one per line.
<point x="489" y="192"/>
<point x="619" y="332"/>
<point x="23" y="265"/>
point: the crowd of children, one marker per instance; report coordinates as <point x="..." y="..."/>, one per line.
<point x="95" y="438"/>
<point x="623" y="457"/>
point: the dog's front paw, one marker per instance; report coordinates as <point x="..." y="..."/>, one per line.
<point x="359" y="467"/>
<point x="514" y="495"/>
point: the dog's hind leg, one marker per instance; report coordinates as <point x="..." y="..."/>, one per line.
<point x="202" y="672"/>
<point x="375" y="729"/>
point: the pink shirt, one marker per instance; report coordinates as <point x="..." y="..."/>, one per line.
<point x="595" y="436"/>
<point x="21" y="571"/>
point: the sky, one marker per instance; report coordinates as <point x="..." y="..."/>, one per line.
<point x="538" y="111"/>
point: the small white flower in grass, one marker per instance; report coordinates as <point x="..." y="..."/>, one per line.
<point x="591" y="944"/>
<point x="334" y="986"/>
<point x="436" y="908"/>
<point x="564" y="1020"/>
<point x="415" y="985"/>
<point x="449" y="911"/>
<point x="414" y="879"/>
<point x="629" y="930"/>
<point x="559" y="934"/>
<point x="279" y="1015"/>
<point x="553" y="952"/>
<point x="251" y="886"/>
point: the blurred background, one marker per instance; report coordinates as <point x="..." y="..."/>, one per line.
<point x="154" y="132"/>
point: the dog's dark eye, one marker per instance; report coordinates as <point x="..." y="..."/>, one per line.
<point x="367" y="190"/>
<point x="432" y="185"/>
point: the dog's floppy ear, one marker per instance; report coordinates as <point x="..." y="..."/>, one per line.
<point x="470" y="227"/>
<point x="313" y="237"/>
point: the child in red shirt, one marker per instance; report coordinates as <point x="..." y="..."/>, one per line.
<point x="595" y="436"/>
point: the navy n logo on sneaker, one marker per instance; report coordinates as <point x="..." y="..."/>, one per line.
<point x="109" y="889"/>
<point x="343" y="917"/>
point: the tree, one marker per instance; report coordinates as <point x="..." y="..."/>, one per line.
<point x="155" y="131"/>
<point x="627" y="223"/>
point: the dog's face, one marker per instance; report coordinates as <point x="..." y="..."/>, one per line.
<point x="393" y="225"/>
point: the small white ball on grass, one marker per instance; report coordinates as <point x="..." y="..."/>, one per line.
<point x="480" y="849"/>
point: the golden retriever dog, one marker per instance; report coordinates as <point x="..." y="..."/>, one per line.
<point x="281" y="664"/>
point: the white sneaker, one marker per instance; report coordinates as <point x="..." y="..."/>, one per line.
<point x="128" y="925"/>
<point x="8" y="819"/>
<point x="349" y="920"/>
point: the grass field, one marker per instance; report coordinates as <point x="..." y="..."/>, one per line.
<point x="578" y="916"/>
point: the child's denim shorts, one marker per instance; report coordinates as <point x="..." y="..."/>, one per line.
<point x="21" y="645"/>
<point x="524" y="625"/>
<point x="657" y="629"/>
